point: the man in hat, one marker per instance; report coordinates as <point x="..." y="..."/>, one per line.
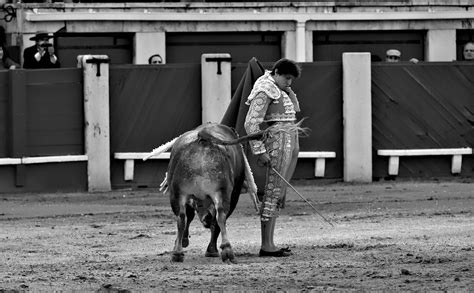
<point x="393" y="55"/>
<point x="40" y="55"/>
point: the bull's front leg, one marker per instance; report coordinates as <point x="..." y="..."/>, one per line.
<point x="227" y="254"/>
<point x="178" y="253"/>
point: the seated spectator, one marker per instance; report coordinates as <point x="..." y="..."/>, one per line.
<point x="6" y="62"/>
<point x="393" y="55"/>
<point x="155" y="59"/>
<point x="40" y="55"/>
<point x="468" y="51"/>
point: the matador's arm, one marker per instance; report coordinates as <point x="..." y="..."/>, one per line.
<point x="255" y="116"/>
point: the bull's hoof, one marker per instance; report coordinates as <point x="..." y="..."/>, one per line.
<point x="185" y="242"/>
<point x="227" y="255"/>
<point x="212" y="253"/>
<point x="177" y="257"/>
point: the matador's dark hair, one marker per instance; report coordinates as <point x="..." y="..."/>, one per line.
<point x="286" y="66"/>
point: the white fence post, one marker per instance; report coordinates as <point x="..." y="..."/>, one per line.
<point x="440" y="45"/>
<point x="357" y="117"/>
<point x="97" y="125"/>
<point x="216" y="91"/>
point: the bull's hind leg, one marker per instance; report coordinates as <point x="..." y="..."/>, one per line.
<point x="178" y="253"/>
<point x="189" y="219"/>
<point x="227" y="254"/>
<point x="212" y="247"/>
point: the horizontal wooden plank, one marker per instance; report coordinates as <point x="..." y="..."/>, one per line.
<point x="140" y="156"/>
<point x="425" y="152"/>
<point x="10" y="161"/>
<point x="317" y="155"/>
<point x="46" y="159"/>
<point x="54" y="159"/>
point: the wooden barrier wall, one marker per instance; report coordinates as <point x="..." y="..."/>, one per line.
<point x="425" y="105"/>
<point x="419" y="106"/>
<point x="319" y="90"/>
<point x="149" y="106"/>
<point x="41" y="115"/>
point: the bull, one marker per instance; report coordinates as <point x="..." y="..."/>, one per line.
<point x="205" y="175"/>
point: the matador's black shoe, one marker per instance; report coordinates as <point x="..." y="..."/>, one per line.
<point x="283" y="252"/>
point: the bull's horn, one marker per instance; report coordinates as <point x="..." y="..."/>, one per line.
<point x="161" y="149"/>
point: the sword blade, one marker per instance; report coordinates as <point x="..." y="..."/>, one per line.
<point x="301" y="196"/>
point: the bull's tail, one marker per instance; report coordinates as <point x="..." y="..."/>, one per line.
<point x="161" y="149"/>
<point x="204" y="134"/>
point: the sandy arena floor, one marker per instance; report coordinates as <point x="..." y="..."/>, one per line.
<point x="394" y="236"/>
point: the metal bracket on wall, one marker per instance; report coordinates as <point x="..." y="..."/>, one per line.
<point x="219" y="60"/>
<point x="98" y="61"/>
<point x="10" y="12"/>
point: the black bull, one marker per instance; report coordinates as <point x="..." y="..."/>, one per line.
<point x="206" y="177"/>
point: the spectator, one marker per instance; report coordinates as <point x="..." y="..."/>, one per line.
<point x="393" y="55"/>
<point x="155" y="59"/>
<point x="40" y="55"/>
<point x="468" y="51"/>
<point x="6" y="62"/>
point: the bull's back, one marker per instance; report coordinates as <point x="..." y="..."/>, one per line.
<point x="201" y="166"/>
<point x="233" y="152"/>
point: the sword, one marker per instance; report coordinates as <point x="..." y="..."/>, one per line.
<point x="300" y="195"/>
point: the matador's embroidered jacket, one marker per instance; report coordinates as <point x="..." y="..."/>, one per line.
<point x="268" y="103"/>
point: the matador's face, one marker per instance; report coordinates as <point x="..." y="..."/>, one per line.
<point x="283" y="80"/>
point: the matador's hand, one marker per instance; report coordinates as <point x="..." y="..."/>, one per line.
<point x="264" y="159"/>
<point x="293" y="98"/>
<point x="290" y="92"/>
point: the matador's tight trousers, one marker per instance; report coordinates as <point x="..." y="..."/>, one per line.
<point x="283" y="148"/>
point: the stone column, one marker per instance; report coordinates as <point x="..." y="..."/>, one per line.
<point x="440" y="45"/>
<point x="300" y="41"/>
<point x="147" y="44"/>
<point x="357" y="117"/>
<point x="289" y="45"/>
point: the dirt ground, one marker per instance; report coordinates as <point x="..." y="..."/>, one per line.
<point x="396" y="236"/>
